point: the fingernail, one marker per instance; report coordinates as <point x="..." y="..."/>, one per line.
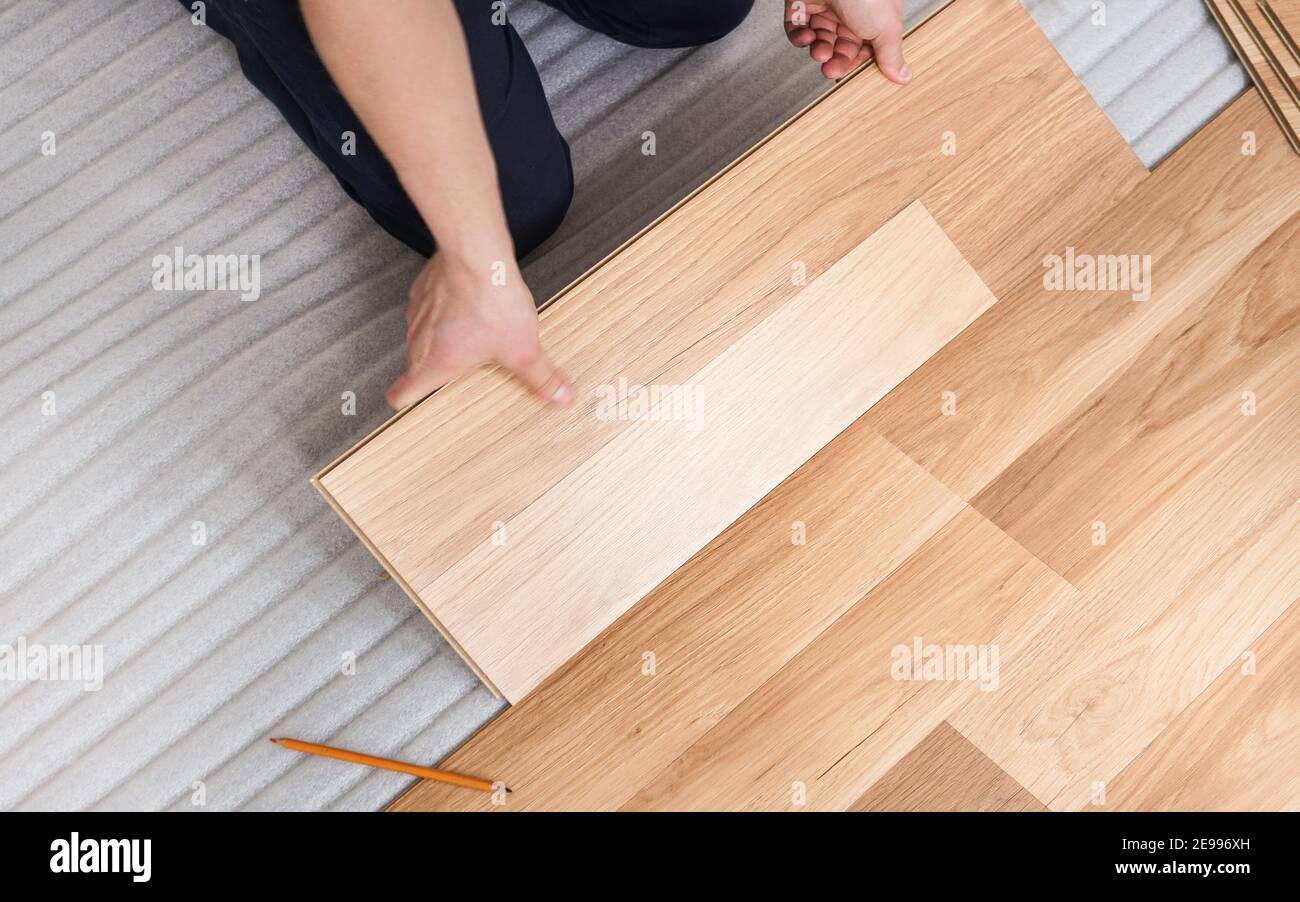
<point x="563" y="394"/>
<point x="906" y="72"/>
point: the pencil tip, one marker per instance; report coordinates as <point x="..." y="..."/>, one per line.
<point x="275" y="741"/>
<point x="508" y="789"/>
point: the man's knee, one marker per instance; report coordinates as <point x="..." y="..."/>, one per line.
<point x="535" y="210"/>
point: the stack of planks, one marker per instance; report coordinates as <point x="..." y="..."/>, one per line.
<point x="1264" y="39"/>
<point x="940" y="447"/>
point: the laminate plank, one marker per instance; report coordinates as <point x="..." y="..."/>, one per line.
<point x="1276" y="43"/>
<point x="708" y="636"/>
<point x="1192" y="394"/>
<point x="848" y="707"/>
<point x="988" y="396"/>
<point x="1092" y="684"/>
<point x="1013" y="200"/>
<point x="1267" y="69"/>
<point x="946" y="773"/>
<point x="713" y="268"/>
<point x="1235" y="748"/>
<point x="1288" y="16"/>
<point x="641" y="506"/>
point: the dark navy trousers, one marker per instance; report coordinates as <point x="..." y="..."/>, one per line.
<point x="532" y="157"/>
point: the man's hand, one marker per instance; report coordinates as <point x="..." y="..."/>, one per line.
<point x="458" y="320"/>
<point x="407" y="75"/>
<point x="843" y="34"/>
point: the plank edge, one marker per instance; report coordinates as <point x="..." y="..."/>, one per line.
<point x="410" y="592"/>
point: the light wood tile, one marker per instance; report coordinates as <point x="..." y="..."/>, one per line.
<point x="1236" y="747"/>
<point x="578" y="558"/>
<point x="821" y="731"/>
<point x="1168" y="415"/>
<point x="1093" y="683"/>
<point x="1277" y="42"/>
<point x="946" y="773"/>
<point x="1012" y="200"/>
<point x="1031" y="360"/>
<point x="717" y="629"/>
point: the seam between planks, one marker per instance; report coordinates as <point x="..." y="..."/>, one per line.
<point x="397" y="577"/>
<point x="965" y="510"/>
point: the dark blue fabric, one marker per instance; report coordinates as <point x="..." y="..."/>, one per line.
<point x="532" y="157"/>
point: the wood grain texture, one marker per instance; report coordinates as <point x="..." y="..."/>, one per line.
<point x="946" y="773"/>
<point x="838" y="716"/>
<point x="580" y="556"/>
<point x="716" y="630"/>
<point x="1127" y="683"/>
<point x="1038" y="354"/>
<point x="1266" y="37"/>
<point x="1262" y="62"/>
<point x="1235" y="748"/>
<point x="1199" y="498"/>
<point x="1093" y="683"/>
<point x="651" y="314"/>
<point x="1061" y="166"/>
<point x="743" y="607"/>
<point x="1168" y="415"/>
<point x="1287" y="15"/>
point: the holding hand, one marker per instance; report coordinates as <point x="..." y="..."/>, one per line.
<point x="843" y="34"/>
<point x="458" y="320"/>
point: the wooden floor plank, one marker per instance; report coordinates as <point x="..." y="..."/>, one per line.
<point x="1080" y="171"/>
<point x="830" y="723"/>
<point x="1094" y="683"/>
<point x="1198" y="389"/>
<point x="589" y="549"/>
<point x="1235" y="748"/>
<point x="1276" y="42"/>
<point x="482" y="450"/>
<point x="708" y="636"/>
<point x="1288" y="14"/>
<point x="1008" y="380"/>
<point x="1265" y="59"/>
<point x="946" y="773"/>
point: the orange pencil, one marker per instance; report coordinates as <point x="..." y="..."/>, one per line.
<point x="415" y="770"/>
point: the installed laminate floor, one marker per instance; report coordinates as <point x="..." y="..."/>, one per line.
<point x="944" y="772"/>
<point x="1056" y="566"/>
<point x="586" y="550"/>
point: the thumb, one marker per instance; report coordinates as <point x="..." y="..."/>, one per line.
<point x="418" y="380"/>
<point x="887" y="48"/>
<point x="536" y="371"/>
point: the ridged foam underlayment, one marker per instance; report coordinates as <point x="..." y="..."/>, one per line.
<point x="155" y="446"/>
